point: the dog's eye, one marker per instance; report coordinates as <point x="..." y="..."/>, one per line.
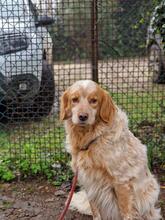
<point x="75" y="100"/>
<point x="93" y="101"/>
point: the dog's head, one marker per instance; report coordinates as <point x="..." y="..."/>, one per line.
<point x="85" y="102"/>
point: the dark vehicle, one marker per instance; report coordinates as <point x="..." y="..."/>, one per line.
<point x="156" y="44"/>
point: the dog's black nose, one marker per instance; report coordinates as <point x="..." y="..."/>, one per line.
<point x="83" y="116"/>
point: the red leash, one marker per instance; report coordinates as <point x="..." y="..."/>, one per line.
<point x="74" y="181"/>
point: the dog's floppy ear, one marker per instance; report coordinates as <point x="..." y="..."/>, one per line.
<point x="107" y="108"/>
<point x="65" y="106"/>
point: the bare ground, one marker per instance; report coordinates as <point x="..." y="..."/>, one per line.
<point x="117" y="74"/>
<point x="36" y="199"/>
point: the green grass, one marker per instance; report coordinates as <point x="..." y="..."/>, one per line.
<point x="33" y="148"/>
<point x="38" y="147"/>
<point x="4" y="142"/>
<point x="142" y="106"/>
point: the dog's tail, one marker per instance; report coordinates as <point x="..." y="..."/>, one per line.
<point x="80" y="203"/>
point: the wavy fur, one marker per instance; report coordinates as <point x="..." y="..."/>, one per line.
<point x="114" y="169"/>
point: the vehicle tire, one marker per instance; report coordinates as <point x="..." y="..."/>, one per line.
<point x="155" y="64"/>
<point x="37" y="107"/>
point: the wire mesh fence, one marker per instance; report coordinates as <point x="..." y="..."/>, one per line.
<point x="48" y="45"/>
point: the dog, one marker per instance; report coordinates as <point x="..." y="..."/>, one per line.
<point x="111" y="162"/>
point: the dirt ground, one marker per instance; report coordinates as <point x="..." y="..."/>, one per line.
<point x="117" y="74"/>
<point x="36" y="199"/>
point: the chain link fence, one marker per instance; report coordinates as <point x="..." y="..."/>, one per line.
<point x="45" y="46"/>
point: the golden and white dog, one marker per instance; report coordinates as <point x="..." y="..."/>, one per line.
<point x="111" y="161"/>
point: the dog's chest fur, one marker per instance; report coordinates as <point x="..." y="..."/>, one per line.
<point x="113" y="149"/>
<point x="92" y="169"/>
